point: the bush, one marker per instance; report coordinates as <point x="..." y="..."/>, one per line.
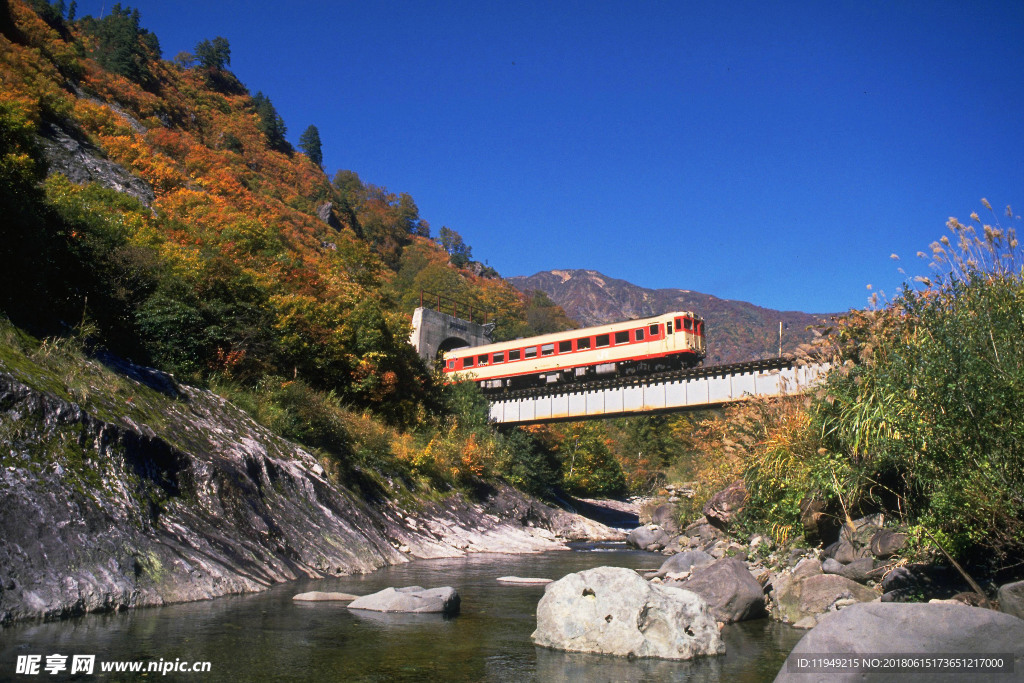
<point x="928" y="407"/>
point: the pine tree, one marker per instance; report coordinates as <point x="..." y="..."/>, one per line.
<point x="310" y="144"/>
<point x="215" y="54"/>
<point x="271" y="123"/>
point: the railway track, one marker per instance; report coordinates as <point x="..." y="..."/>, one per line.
<point x="619" y="381"/>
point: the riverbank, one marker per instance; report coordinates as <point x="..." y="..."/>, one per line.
<point x="131" y="490"/>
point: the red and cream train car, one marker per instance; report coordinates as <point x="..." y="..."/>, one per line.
<point x="663" y="342"/>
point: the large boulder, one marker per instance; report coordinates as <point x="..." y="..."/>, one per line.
<point x="411" y="599"/>
<point x="731" y="592"/>
<point x="612" y="610"/>
<point x="664" y="516"/>
<point x="801" y="599"/>
<point x="860" y="570"/>
<point x="684" y="562"/>
<point x="915" y="629"/>
<point x="646" y="538"/>
<point x="885" y="543"/>
<point x="726" y="504"/>
<point x="1011" y="598"/>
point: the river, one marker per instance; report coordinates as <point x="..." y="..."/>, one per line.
<point x="268" y="637"/>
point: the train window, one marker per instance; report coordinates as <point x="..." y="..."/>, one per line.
<point x="688" y="324"/>
<point x="564" y="347"/>
<point x="482" y="360"/>
<point x="498" y="357"/>
<point x="451" y="365"/>
<point x="513" y="354"/>
<point x="582" y="344"/>
<point x="699" y="329"/>
<point x="467" y="362"/>
<point x="638" y="334"/>
<point x="601" y="340"/>
<point x="622" y="337"/>
<point x="653" y="329"/>
<point x="530" y="352"/>
<point x="668" y="327"/>
<point x="547" y="349"/>
<point x="679" y="324"/>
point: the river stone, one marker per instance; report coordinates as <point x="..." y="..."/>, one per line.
<point x="886" y="542"/>
<point x="646" y="538"/>
<point x="797" y="597"/>
<point x="684" y="562"/>
<point x="731" y="592"/>
<point x="860" y="570"/>
<point x="911" y="628"/>
<point x="319" y="596"/>
<point x="1011" y="598"/>
<point x="832" y="566"/>
<point x="726" y="504"/>
<point x="410" y="599"/>
<point x="612" y="610"/>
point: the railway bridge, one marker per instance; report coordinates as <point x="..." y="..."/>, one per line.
<point x="674" y="391"/>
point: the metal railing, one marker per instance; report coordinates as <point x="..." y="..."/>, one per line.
<point x="446" y="304"/>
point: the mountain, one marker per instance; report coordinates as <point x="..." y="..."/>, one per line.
<point x="736" y="330"/>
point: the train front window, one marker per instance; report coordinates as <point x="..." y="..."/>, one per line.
<point x="514" y="354"/>
<point x="531" y="352"/>
<point x="583" y="344"/>
<point x="638" y="335"/>
<point x="564" y="347"/>
<point x="601" y="340"/>
<point x="622" y="337"/>
<point x="498" y="357"/>
<point x="688" y="324"/>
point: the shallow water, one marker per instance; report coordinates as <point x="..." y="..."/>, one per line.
<point x="267" y="636"/>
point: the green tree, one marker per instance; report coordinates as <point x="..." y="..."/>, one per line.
<point x="271" y="123"/>
<point x="122" y="46"/>
<point x="214" y="55"/>
<point x="309" y="143"/>
<point x="459" y="252"/>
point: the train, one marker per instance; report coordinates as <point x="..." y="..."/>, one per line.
<point x="664" y="342"/>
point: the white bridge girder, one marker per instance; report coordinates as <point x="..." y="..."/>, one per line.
<point x="699" y="388"/>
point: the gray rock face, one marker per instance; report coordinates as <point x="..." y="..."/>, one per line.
<point x="180" y="496"/>
<point x="916" y="628"/>
<point x="412" y="599"/>
<point x="684" y="562"/>
<point x="731" y="592"/>
<point x="1011" y="598"/>
<point x="611" y="610"/>
<point x="82" y="163"/>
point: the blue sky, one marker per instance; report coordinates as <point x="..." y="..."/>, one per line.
<point x="776" y="153"/>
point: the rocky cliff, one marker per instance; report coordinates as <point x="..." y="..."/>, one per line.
<point x="121" y="488"/>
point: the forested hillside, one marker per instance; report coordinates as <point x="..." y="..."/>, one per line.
<point x="177" y="219"/>
<point x="155" y="209"/>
